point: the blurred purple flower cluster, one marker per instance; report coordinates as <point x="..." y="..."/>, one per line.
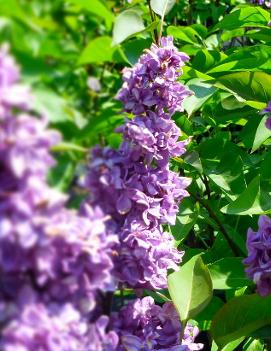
<point x="258" y="261"/>
<point x="134" y="184"/>
<point x="53" y="261"/>
<point x="12" y="94"/>
<point x="267" y="110"/>
<point x="261" y="2"/>
<point x="55" y="327"/>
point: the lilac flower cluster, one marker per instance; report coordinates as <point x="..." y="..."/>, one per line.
<point x="134" y="184"/>
<point x="55" y="327"/>
<point x="152" y="82"/>
<point x="258" y="261"/>
<point x="267" y="110"/>
<point x="53" y="261"/>
<point x="142" y="325"/>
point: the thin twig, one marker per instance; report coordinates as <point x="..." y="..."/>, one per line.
<point x="153" y="20"/>
<point x="213" y="215"/>
<point x="107" y="303"/>
<point x="208" y="193"/>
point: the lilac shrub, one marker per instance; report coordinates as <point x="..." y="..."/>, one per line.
<point x="134" y="184"/>
<point x="57" y="265"/>
<point x="258" y="261"/>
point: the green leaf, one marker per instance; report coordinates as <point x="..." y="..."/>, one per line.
<point x="255" y="199"/>
<point x="127" y="23"/>
<point x="262" y="333"/>
<point x="186" y="34"/>
<point x="193" y="159"/>
<point x="253" y="345"/>
<point x="202" y="92"/>
<point x="253" y="58"/>
<point x="239" y="317"/>
<point x="162" y="7"/>
<point x="229" y="34"/>
<point x="255" y="132"/>
<point x="185" y="220"/>
<point x="206" y="59"/>
<point x="254" y="86"/>
<point x="97" y="8"/>
<point x="62" y="174"/>
<point x="222" y="162"/>
<point x="12" y="8"/>
<point x="262" y="133"/>
<point x="133" y="49"/>
<point x="205" y="317"/>
<point x="65" y="146"/>
<point x="56" y="108"/>
<point x="250" y="16"/>
<point x="232" y="102"/>
<point x="99" y="50"/>
<point x="231" y="346"/>
<point x="190" y="288"/>
<point x="228" y="273"/>
<point x="263" y="34"/>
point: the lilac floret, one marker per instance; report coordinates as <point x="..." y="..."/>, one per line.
<point x="258" y="261"/>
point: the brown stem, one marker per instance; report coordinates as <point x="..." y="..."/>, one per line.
<point x="207" y="187"/>
<point x="213" y="215"/>
<point x="107" y="303"/>
<point x="208" y="193"/>
<point x="153" y="20"/>
<point x="190" y="12"/>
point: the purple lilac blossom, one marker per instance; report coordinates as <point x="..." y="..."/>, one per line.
<point x="267" y="110"/>
<point x="133" y="184"/>
<point x="142" y="325"/>
<point x="133" y="193"/>
<point x="258" y="261"/>
<point x="154" y="138"/>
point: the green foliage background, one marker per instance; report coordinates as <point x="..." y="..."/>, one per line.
<point x="60" y="44"/>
